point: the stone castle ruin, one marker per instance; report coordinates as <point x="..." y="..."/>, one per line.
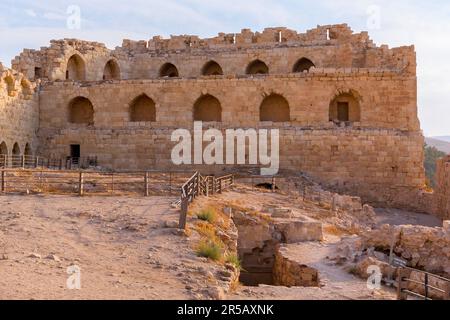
<point x="346" y="108"/>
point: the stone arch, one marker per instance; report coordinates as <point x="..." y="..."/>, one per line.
<point x="212" y="68"/>
<point x="76" y="69"/>
<point x="142" y="108"/>
<point x="27" y="91"/>
<point x="81" y="111"/>
<point x="302" y="65"/>
<point x="16" y="155"/>
<point x="345" y="107"/>
<point x="274" y="108"/>
<point x="10" y="85"/>
<point x="168" y="70"/>
<point x="3" y="155"/>
<point x="27" y="151"/>
<point x="207" y="108"/>
<point x="111" y="70"/>
<point x="257" y="67"/>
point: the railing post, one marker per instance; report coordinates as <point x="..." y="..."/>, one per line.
<point x="198" y="185"/>
<point x="80" y="184"/>
<point x="426" y="286"/>
<point x="273" y="184"/>
<point x="23" y="161"/>
<point x="146" y="183"/>
<point x="402" y="284"/>
<point x="447" y="291"/>
<point x="3" y="181"/>
<point x="36" y="164"/>
<point x="183" y="215"/>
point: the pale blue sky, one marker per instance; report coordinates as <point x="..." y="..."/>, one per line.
<point x="31" y="24"/>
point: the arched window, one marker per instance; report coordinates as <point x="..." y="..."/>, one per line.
<point x="345" y="108"/>
<point x="111" y="71"/>
<point x="212" y="68"/>
<point x="81" y="111"/>
<point x="257" y="67"/>
<point x="303" y="65"/>
<point x="10" y="85"/>
<point x="75" y="68"/>
<point x="27" y="151"/>
<point x="274" y="108"/>
<point x="168" y="70"/>
<point x="207" y="108"/>
<point x="3" y="155"/>
<point x="142" y="108"/>
<point x="16" y="158"/>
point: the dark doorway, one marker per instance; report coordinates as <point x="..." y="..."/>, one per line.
<point x="75" y="151"/>
<point x="343" y="114"/>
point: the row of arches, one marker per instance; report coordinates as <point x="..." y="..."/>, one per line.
<point x="76" y="69"/>
<point x="16" y="153"/>
<point x="274" y="107"/>
<point x="12" y="89"/>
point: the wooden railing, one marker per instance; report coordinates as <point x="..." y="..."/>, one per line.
<point x="90" y="182"/>
<point x="404" y="281"/>
<point x="199" y="185"/>
<point x="30" y="162"/>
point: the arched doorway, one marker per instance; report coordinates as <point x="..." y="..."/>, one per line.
<point x="303" y="65"/>
<point x="142" y="108"/>
<point x="207" y="108"/>
<point x="81" y="111"/>
<point x="274" y="108"/>
<point x="212" y="68"/>
<point x="257" y="67"/>
<point x="16" y="156"/>
<point x="345" y="108"/>
<point x="168" y="70"/>
<point x="111" y="70"/>
<point x="3" y="155"/>
<point x="75" y="68"/>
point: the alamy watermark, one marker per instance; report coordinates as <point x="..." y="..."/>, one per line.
<point x="74" y="280"/>
<point x="239" y="146"/>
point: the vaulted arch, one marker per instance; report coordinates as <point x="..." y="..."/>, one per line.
<point x="257" y="67"/>
<point x="302" y="65"/>
<point x="3" y="155"/>
<point x="10" y="85"/>
<point x="207" y="108"/>
<point x="27" y="151"/>
<point x="168" y="70"/>
<point x="212" y="68"/>
<point x="345" y="107"/>
<point x="111" y="70"/>
<point x="81" y="111"/>
<point x="274" y="108"/>
<point x="76" y="69"/>
<point x="142" y="108"/>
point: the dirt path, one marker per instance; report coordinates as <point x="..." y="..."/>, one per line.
<point x="119" y="243"/>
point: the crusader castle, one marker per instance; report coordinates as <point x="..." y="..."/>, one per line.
<point x="346" y="108"/>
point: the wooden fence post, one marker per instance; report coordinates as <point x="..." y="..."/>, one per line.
<point x="183" y="215"/>
<point x="3" y="181"/>
<point x="146" y="184"/>
<point x="80" y="184"/>
<point x="36" y="164"/>
<point x="23" y="162"/>
<point x="402" y="284"/>
<point x="447" y="291"/>
<point x="273" y="184"/>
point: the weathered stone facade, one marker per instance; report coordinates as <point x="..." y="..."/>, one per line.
<point x="442" y="191"/>
<point x="19" y="115"/>
<point x="346" y="109"/>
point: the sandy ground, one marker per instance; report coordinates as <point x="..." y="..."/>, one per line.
<point x="118" y="242"/>
<point x="125" y="251"/>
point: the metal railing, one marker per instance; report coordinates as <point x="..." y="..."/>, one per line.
<point x="404" y="280"/>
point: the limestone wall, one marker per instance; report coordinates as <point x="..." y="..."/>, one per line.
<point x="442" y="190"/>
<point x="334" y="46"/>
<point x="19" y="116"/>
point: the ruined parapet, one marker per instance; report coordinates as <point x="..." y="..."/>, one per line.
<point x="19" y="115"/>
<point x="53" y="63"/>
<point x="442" y="190"/>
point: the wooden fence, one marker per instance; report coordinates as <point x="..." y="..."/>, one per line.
<point x="198" y="185"/>
<point x="91" y="182"/>
<point x="34" y="162"/>
<point x="404" y="280"/>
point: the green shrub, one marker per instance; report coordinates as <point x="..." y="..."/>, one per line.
<point x="234" y="260"/>
<point x="210" y="249"/>
<point x="208" y="214"/>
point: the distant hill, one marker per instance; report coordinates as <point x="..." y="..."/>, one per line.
<point x="442" y="138"/>
<point x="441" y="145"/>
